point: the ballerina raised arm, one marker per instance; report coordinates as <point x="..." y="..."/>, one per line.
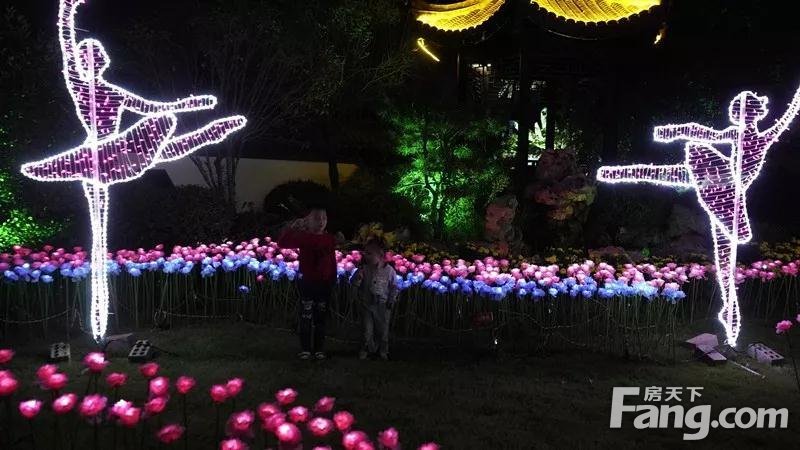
<point x="674" y="175"/>
<point x="146" y="107"/>
<point x="782" y="124"/>
<point x="66" y="37"/>
<point x="694" y="132"/>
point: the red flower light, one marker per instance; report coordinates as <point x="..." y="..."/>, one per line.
<point x="116" y="379"/>
<point x="218" y="393"/>
<point x="155" y="405"/>
<point x="234" y="386"/>
<point x="273" y="421"/>
<point x="8" y="384"/>
<point x="389" y="438"/>
<point x="286" y="396"/>
<point x="429" y="446"/>
<point x="299" y="414"/>
<point x="265" y="410"/>
<point x="320" y="426"/>
<point x="64" y="403"/>
<point x="95" y="361"/>
<point x="343" y="420"/>
<point x="239" y="423"/>
<point x="149" y="370"/>
<point x="324" y="405"/>
<point x="56" y="382"/>
<point x="170" y="433"/>
<point x="232" y="444"/>
<point x="43" y="373"/>
<point x="288" y="434"/>
<point x="29" y="409"/>
<point x="92" y="405"/>
<point x="159" y="386"/>
<point x="130" y="417"/>
<point x="185" y="384"/>
<point x="6" y="355"/>
<point x="351" y="439"/>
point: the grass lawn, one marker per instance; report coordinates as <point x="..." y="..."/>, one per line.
<point x="459" y="399"/>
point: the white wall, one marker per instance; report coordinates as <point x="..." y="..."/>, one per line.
<point x="255" y="178"/>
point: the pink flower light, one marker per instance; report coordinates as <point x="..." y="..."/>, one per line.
<point x="429" y="446"/>
<point x="159" y="386"/>
<point x="92" y="405"/>
<point x="783" y="326"/>
<point x="234" y="386"/>
<point x="6" y="355"/>
<point x="265" y="410"/>
<point x="44" y="372"/>
<point x="170" y="433"/>
<point x="155" y="405"/>
<point x="240" y="423"/>
<point x="130" y="417"/>
<point x="218" y="393"/>
<point x="389" y="438"/>
<point x="56" y="382"/>
<point x="299" y="414"/>
<point x="288" y="434"/>
<point x="185" y="384"/>
<point x="286" y="396"/>
<point x="8" y="384"/>
<point x="343" y="420"/>
<point x="30" y="408"/>
<point x="325" y="404"/>
<point x="119" y="408"/>
<point x="352" y="439"/>
<point x="64" y="403"/>
<point x="95" y="361"/>
<point x="116" y="379"/>
<point x="320" y="426"/>
<point x="149" y="370"/>
<point x="232" y="444"/>
<point x="272" y="422"/>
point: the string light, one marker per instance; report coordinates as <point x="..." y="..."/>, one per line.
<point x="595" y="11"/>
<point x="109" y="156"/>
<point x="425" y="49"/>
<point x="720" y="182"/>
<point x="456" y="16"/>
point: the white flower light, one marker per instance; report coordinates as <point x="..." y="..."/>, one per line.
<point x="109" y="156"/>
<point x="719" y="181"/>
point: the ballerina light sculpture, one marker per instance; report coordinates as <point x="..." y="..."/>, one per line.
<point x="108" y="155"/>
<point x="720" y="181"/>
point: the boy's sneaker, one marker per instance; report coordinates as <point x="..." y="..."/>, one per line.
<point x="305" y="356"/>
<point x="320" y="356"/>
<point x="385" y="356"/>
<point x="362" y="355"/>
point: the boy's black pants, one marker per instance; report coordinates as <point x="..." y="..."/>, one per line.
<point x="313" y="310"/>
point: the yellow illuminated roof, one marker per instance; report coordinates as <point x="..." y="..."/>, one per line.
<point x="456" y="16"/>
<point x="471" y="13"/>
<point x="594" y="11"/>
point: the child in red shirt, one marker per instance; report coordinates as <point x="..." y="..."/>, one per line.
<point x="317" y="255"/>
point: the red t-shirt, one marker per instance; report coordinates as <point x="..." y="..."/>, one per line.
<point x="317" y="254"/>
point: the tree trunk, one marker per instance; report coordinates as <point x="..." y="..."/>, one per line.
<point x="550" y="131"/>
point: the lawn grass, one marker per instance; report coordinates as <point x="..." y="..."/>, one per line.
<point x="460" y="399"/>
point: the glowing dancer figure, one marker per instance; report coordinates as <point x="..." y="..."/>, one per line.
<point x="720" y="181"/>
<point x="108" y="155"/>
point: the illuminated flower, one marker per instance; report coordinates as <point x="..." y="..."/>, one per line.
<point x="56" y="382"/>
<point x="92" y="405"/>
<point x="389" y="438"/>
<point x="8" y="384"/>
<point x="244" y="289"/>
<point x="240" y="423"/>
<point x="185" y="384"/>
<point x="272" y="422"/>
<point x="320" y="426"/>
<point x="155" y="405"/>
<point x="299" y="414"/>
<point x="170" y="433"/>
<point x="117" y="409"/>
<point x="234" y="386"/>
<point x="116" y="379"/>
<point x="343" y="420"/>
<point x="232" y="444"/>
<point x="324" y="405"/>
<point x="64" y="403"/>
<point x="351" y="439"/>
<point x="265" y="410"/>
<point x="44" y="372"/>
<point x="218" y="393"/>
<point x="6" y="355"/>
<point x="783" y="326"/>
<point x="30" y="408"/>
<point x="286" y="396"/>
<point x="159" y="386"/>
<point x="288" y="434"/>
<point x="149" y="370"/>
<point x="365" y="445"/>
<point x="95" y="361"/>
<point x="798" y="318"/>
<point x="130" y="417"/>
<point x="429" y="446"/>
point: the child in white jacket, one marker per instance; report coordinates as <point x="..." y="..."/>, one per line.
<point x="378" y="293"/>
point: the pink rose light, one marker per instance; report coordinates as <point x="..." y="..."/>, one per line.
<point x="351" y="439"/>
<point x="325" y="404"/>
<point x="170" y="433"/>
<point x="92" y="405"/>
<point x="44" y="372"/>
<point x="30" y="408"/>
<point x="130" y="417"/>
<point x="95" y="361"/>
<point x="117" y="409"/>
<point x="8" y="384"/>
<point x="429" y="446"/>
<point x="116" y="380"/>
<point x="64" y="403"/>
<point x="798" y="318"/>
<point x="299" y="414"/>
<point x="56" y="382"/>
<point x="185" y="384"/>
<point x="365" y="445"/>
<point x="322" y="447"/>
<point x="232" y="444"/>
<point x="6" y="355"/>
<point x="286" y="396"/>
<point x="155" y="405"/>
<point x="783" y="326"/>
<point x="240" y="423"/>
<point x="272" y="422"/>
<point x="320" y="426"/>
<point x="288" y="434"/>
<point x="218" y="393"/>
<point x="159" y="386"/>
<point x="389" y="438"/>
<point x="343" y="420"/>
<point x="149" y="370"/>
<point x="266" y="410"/>
<point x="234" y="386"/>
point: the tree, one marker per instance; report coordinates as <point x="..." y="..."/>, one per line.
<point x="454" y="167"/>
